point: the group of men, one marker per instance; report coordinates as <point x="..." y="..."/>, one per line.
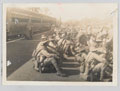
<point x="88" y="49"/>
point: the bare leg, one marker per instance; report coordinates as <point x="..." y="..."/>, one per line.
<point x="55" y="64"/>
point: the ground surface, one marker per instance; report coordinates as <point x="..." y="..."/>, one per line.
<point x="21" y="69"/>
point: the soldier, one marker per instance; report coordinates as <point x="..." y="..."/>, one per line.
<point x="61" y="43"/>
<point x="35" y="53"/>
<point x="96" y="54"/>
<point x="69" y="48"/>
<point x="81" y="55"/>
<point x="48" y="56"/>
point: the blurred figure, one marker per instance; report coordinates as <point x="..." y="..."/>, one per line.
<point x="96" y="54"/>
<point x="45" y="55"/>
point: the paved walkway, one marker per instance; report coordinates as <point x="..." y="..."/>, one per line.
<point x="27" y="73"/>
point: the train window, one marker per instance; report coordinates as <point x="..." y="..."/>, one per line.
<point x="36" y="21"/>
<point x="24" y="20"/>
<point x="45" y="21"/>
<point x="17" y="20"/>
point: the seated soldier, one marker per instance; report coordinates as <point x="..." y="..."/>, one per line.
<point x="48" y="56"/>
<point x="69" y="50"/>
<point x="96" y="54"/>
<point x="81" y="55"/>
<point x="39" y="47"/>
<point x="101" y="67"/>
<point x="60" y="46"/>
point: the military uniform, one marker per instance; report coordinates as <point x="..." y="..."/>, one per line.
<point x="48" y="56"/>
<point x="96" y="54"/>
<point x="37" y="56"/>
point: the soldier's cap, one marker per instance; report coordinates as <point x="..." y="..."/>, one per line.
<point x="43" y="37"/>
<point x="62" y="35"/>
<point x="98" y="40"/>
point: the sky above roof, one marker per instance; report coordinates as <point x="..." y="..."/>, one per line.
<point x="81" y="10"/>
<point x="76" y="11"/>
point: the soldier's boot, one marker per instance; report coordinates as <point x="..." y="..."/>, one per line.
<point x="61" y="74"/>
<point x="85" y="74"/>
<point x="41" y="64"/>
<point x="58" y="69"/>
<point x="82" y="67"/>
<point x="86" y="69"/>
<point x="36" y="66"/>
<point x="102" y="72"/>
<point x="36" y="63"/>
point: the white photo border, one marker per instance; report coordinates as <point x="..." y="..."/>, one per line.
<point x="115" y="58"/>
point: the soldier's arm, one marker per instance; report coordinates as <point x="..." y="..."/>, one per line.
<point x="37" y="50"/>
<point x="53" y="51"/>
<point x="72" y="50"/>
<point x="46" y="53"/>
<point x="69" y="57"/>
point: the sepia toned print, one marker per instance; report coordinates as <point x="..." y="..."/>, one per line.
<point x="60" y="43"/>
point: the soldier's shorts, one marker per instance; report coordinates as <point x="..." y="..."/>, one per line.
<point x="49" y="61"/>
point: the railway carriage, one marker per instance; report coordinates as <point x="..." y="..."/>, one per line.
<point x="21" y="21"/>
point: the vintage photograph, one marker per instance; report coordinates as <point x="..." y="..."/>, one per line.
<point x="60" y="42"/>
